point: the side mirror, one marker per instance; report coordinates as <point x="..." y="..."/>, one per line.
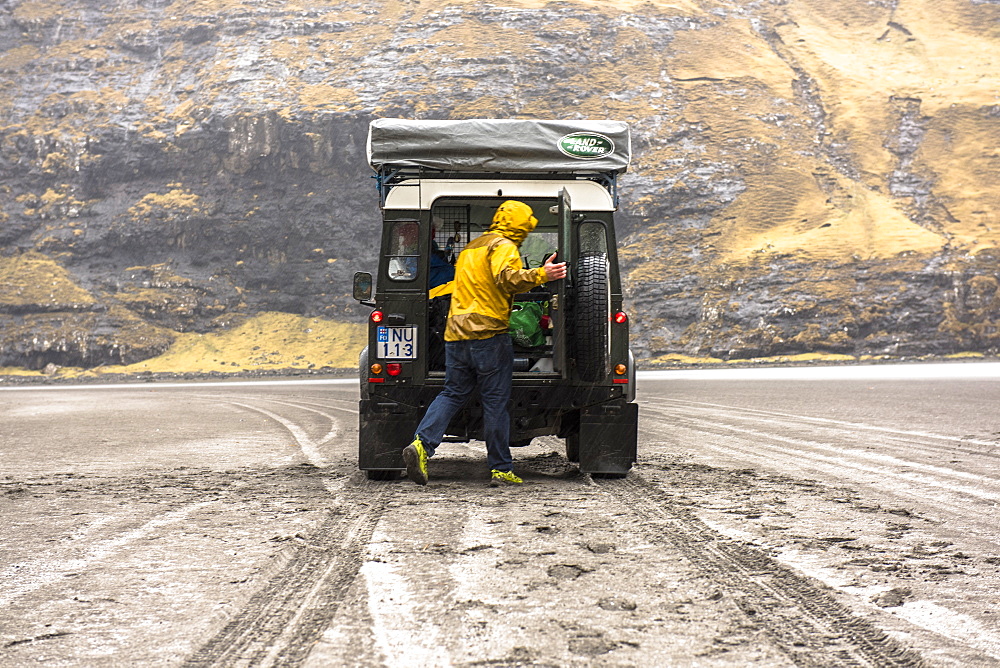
<point x="362" y="286"/>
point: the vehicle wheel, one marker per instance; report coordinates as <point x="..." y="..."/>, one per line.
<point x="382" y="474"/>
<point x="593" y="317"/>
<point x="573" y="448"/>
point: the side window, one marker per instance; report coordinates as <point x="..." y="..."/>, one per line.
<point x="593" y="238"/>
<point x="537" y="247"/>
<point x="403" y="250"/>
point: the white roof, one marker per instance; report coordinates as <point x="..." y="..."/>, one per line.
<point x="420" y="194"/>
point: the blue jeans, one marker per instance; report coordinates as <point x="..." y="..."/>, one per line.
<point x="488" y="364"/>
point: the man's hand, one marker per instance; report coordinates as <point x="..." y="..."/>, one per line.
<point x="554" y="270"/>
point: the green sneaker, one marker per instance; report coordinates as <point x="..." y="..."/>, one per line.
<point x="416" y="461"/>
<point x="500" y="478"/>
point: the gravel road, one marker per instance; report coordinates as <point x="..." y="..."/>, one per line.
<point x="796" y="520"/>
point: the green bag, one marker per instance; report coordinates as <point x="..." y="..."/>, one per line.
<point x="525" y="325"/>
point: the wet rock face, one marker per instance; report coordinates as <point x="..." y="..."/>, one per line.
<point x="277" y="209"/>
<point x="189" y="163"/>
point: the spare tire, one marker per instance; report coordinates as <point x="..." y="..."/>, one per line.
<point x="592" y="317"/>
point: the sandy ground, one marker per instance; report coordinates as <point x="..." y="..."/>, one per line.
<point x="769" y="522"/>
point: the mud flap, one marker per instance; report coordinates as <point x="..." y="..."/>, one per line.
<point x="608" y="437"/>
<point x="384" y="429"/>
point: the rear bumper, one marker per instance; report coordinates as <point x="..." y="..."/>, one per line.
<point x="606" y="423"/>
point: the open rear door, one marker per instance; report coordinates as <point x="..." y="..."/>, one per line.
<point x="560" y="340"/>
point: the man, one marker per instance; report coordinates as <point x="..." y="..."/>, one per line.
<point x="442" y="271"/>
<point x="478" y="350"/>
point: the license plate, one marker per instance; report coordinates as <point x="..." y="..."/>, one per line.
<point x="397" y="343"/>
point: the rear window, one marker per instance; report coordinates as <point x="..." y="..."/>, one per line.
<point x="455" y="222"/>
<point x="404" y="250"/>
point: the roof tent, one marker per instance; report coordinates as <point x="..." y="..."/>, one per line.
<point x="500" y="146"/>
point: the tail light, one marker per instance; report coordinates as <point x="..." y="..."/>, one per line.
<point x="393" y="369"/>
<point x="621" y="318"/>
<point x="376" y="369"/>
<point x="621" y="369"/>
<point x="377" y="316"/>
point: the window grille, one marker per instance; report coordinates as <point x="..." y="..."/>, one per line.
<point x="451" y="229"/>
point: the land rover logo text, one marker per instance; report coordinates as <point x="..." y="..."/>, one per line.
<point x="586" y="145"/>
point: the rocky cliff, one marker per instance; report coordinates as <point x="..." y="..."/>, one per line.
<point x="808" y="177"/>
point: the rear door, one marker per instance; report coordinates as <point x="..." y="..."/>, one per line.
<point x="560" y="288"/>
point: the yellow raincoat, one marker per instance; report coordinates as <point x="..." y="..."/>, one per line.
<point x="489" y="273"/>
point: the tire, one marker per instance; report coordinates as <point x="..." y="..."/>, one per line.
<point x="573" y="448"/>
<point x="593" y="317"/>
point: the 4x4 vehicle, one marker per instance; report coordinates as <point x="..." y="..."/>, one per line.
<point x="440" y="183"/>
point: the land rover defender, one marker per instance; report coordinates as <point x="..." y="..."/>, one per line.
<point x="439" y="183"/>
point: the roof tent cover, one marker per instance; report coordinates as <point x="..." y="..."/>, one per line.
<point x="491" y="145"/>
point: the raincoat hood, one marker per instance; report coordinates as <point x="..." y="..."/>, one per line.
<point x="513" y="220"/>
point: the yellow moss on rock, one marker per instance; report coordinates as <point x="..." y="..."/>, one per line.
<point x="153" y="302"/>
<point x="676" y="359"/>
<point x="799" y="359"/>
<point x="35" y="279"/>
<point x="862" y="58"/>
<point x="15" y="60"/>
<point x="77" y="51"/>
<point x="266" y="342"/>
<point x="331" y="98"/>
<point x="818" y="216"/>
<point x="178" y="201"/>
<point x="965" y="356"/>
<point x="19" y="372"/>
<point x="962" y="150"/>
<point x="974" y="318"/>
<point x="38" y="12"/>
<point x="729" y="51"/>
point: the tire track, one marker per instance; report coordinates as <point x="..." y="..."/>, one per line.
<point x="800" y="615"/>
<point x="335" y="428"/>
<point x="283" y="620"/>
<point x="951" y="489"/>
<point x="462" y="574"/>
<point x="544" y="543"/>
<point x="26" y="577"/>
<point x="286" y="616"/>
<point x="885" y="466"/>
<point x="310" y="446"/>
<point x="923" y="441"/>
